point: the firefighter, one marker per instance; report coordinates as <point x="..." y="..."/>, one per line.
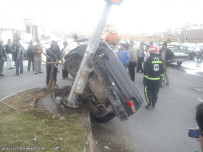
<point x="153" y="73"/>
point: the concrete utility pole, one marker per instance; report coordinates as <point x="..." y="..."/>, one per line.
<point x="83" y="72"/>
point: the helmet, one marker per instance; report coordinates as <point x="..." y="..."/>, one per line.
<point x="153" y="49"/>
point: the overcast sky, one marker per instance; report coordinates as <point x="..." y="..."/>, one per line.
<point x="132" y="16"/>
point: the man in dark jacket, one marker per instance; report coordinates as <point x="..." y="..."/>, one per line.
<point x="30" y="56"/>
<point x="14" y="47"/>
<point x="166" y="55"/>
<point x="153" y="73"/>
<point x="19" y="58"/>
<point x="53" y="54"/>
<point x="2" y="58"/>
<point x="9" y="54"/>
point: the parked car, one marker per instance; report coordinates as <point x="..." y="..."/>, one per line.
<point x="191" y="51"/>
<point x="179" y="55"/>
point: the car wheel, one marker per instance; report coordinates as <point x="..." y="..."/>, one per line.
<point x="179" y="63"/>
<point x="99" y="113"/>
<point x="105" y="118"/>
<point x="192" y="56"/>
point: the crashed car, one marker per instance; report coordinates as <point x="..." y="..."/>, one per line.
<point x="109" y="89"/>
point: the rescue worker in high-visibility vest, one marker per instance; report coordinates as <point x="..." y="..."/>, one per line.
<point x="153" y="73"/>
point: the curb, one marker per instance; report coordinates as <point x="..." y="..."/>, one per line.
<point x="15" y="93"/>
<point x="90" y="136"/>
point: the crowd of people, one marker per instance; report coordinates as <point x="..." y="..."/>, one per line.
<point x="15" y="52"/>
<point x="149" y="60"/>
<point x="11" y="51"/>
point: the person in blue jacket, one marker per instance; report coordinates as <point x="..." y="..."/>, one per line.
<point x="124" y="55"/>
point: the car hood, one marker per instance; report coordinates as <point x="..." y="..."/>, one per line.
<point x="181" y="54"/>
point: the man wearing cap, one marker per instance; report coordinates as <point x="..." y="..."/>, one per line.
<point x="166" y="55"/>
<point x="2" y="58"/>
<point x="153" y="73"/>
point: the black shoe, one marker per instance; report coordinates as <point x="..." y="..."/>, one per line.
<point x="40" y="72"/>
<point x="147" y="106"/>
<point x="2" y="75"/>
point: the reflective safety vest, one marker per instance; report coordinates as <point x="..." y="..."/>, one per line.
<point x="153" y="69"/>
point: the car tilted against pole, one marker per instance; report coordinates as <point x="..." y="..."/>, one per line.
<point x="100" y="78"/>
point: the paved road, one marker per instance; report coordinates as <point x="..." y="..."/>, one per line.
<point x="164" y="129"/>
<point x="11" y="83"/>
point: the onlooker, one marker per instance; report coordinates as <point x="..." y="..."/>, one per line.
<point x="52" y="55"/>
<point x="124" y="55"/>
<point x="14" y="48"/>
<point x="57" y="46"/>
<point x="146" y="56"/>
<point x="30" y="56"/>
<point x="37" y="57"/>
<point x="9" y="54"/>
<point x="153" y="72"/>
<point x="199" y="119"/>
<point x="133" y="60"/>
<point x="2" y="58"/>
<point x="140" y="54"/>
<point x="166" y="55"/>
<point x="19" y="58"/>
<point x="64" y="51"/>
<point x="114" y="49"/>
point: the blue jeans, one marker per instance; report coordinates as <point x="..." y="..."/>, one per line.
<point x="9" y="60"/>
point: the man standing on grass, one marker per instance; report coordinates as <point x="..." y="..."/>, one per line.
<point x="53" y="54"/>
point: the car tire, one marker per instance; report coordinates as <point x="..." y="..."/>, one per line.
<point x="179" y="63"/>
<point x="105" y="118"/>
